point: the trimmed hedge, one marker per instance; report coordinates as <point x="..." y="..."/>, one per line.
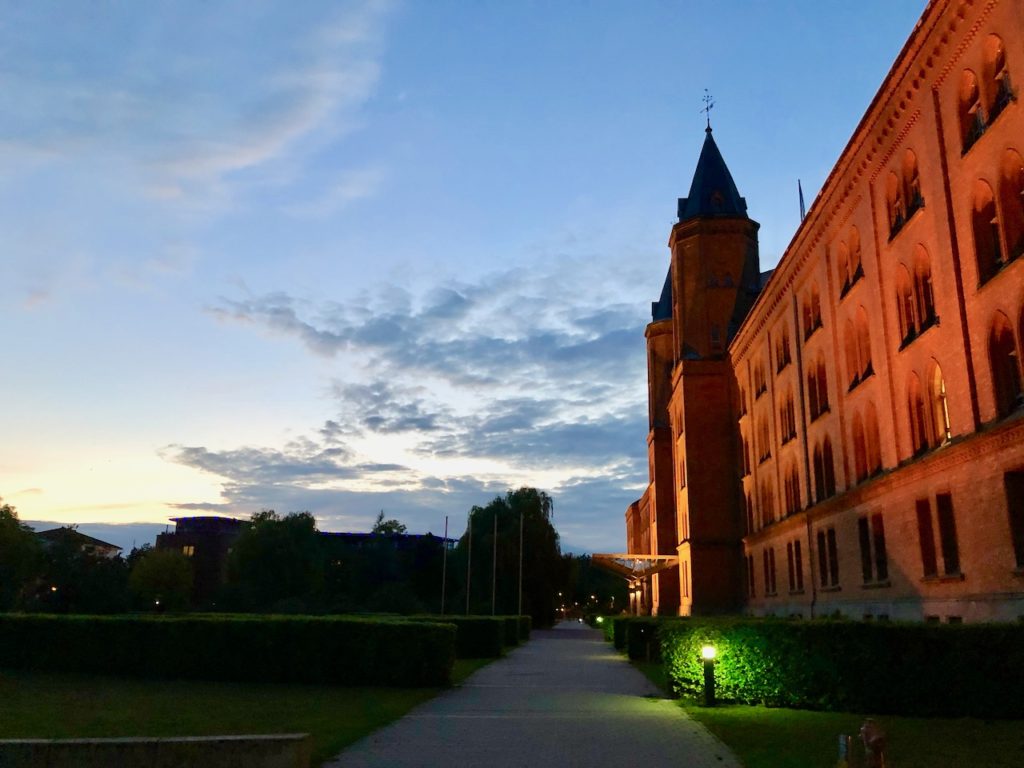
<point x="908" y="669"/>
<point x="313" y="649"/>
<point x="511" y="630"/>
<point x="525" y="626"/>
<point x="477" y="637"/>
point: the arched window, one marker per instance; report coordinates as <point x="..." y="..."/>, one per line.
<point x="1011" y="203"/>
<point x="863" y="343"/>
<point x="843" y="268"/>
<point x="750" y="514"/>
<point x="1002" y="352"/>
<point x="819" y="474"/>
<point x="815" y="306"/>
<point x="872" y="443"/>
<point x="783" y="356"/>
<point x="822" y="383"/>
<point x="850" y="348"/>
<point x="971" y="114"/>
<point x="919" y="432"/>
<point x="985" y="225"/>
<point x="905" y="305"/>
<point x="743" y="402"/>
<point x="812" y="394"/>
<point x="767" y="503"/>
<point x="998" y="88"/>
<point x="894" y="204"/>
<point x="856" y="267"/>
<point x="939" y="406"/>
<point x="911" y="183"/>
<point x="924" y="295"/>
<point x="860" y="449"/>
<point x="792" y="490"/>
<point x="764" y="440"/>
<point x="787" y="417"/>
<point x="805" y="317"/>
<point x="830" y="468"/>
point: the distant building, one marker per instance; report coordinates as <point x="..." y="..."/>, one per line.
<point x="207" y="542"/>
<point x="70" y="536"/>
<point x="848" y="437"/>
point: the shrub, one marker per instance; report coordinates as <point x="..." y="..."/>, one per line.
<point x="525" y="625"/>
<point x="511" y="630"/>
<point x="476" y="637"/>
<point x="909" y="669"/>
<point x="342" y="651"/>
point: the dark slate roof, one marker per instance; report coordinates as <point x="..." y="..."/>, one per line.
<point x="662" y="308"/>
<point x="712" y="192"/>
<point x="56" y="535"/>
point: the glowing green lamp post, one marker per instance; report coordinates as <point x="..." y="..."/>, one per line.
<point x="707" y="653"/>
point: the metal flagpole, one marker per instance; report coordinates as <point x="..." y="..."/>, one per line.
<point x="520" y="562"/>
<point x="494" y="560"/>
<point x="444" y="562"/>
<point x="469" y="560"/>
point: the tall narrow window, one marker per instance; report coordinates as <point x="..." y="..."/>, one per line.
<point x="819" y="475"/>
<point x="905" y="305"/>
<point x="843" y="268"/>
<point x="866" y="564"/>
<point x="878" y="541"/>
<point x="751" y="590"/>
<point x="863" y="343"/>
<point x="822" y="560"/>
<point x="1002" y="351"/>
<point x="812" y="394"/>
<point x="860" y="449"/>
<point x="816" y="306"/>
<point x="799" y="564"/>
<point x="926" y="536"/>
<point x="919" y="431"/>
<point x="850" y="348"/>
<point x="750" y="514"/>
<point x="830" y="467"/>
<point x="985" y="227"/>
<point x="947" y="534"/>
<point x="924" y="296"/>
<point x="911" y="183"/>
<point x="1014" y="482"/>
<point x="971" y="114"/>
<point x="771" y="567"/>
<point x="822" y="383"/>
<point x="833" y="556"/>
<point x="764" y="570"/>
<point x="940" y="407"/>
<point x="789" y="567"/>
<point x="894" y="204"/>
<point x="856" y="267"/>
<point x="1011" y="203"/>
<point x="873" y="445"/>
<point x="998" y="88"/>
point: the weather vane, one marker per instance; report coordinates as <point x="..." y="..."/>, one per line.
<point x="709" y="104"/>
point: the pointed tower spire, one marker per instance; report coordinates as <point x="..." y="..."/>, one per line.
<point x="712" y="192"/>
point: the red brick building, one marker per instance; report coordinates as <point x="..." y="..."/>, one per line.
<point x="846" y="434"/>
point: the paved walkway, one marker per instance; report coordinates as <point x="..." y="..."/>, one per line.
<point x="566" y="698"/>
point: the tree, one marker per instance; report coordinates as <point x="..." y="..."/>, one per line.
<point x="387" y="527"/>
<point x="543" y="567"/>
<point x="276" y="560"/>
<point x="162" y="579"/>
<point x="20" y="557"/>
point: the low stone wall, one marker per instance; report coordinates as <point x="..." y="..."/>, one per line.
<point x="287" y="750"/>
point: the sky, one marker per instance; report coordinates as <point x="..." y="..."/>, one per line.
<point x="375" y="255"/>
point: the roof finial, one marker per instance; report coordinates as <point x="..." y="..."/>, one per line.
<point x="709" y="103"/>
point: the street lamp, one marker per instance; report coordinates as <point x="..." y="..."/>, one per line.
<point x="708" y="653"/>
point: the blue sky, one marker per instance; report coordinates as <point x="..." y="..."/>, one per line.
<point x="344" y="257"/>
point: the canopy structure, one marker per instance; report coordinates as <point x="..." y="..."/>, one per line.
<point x="634" y="566"/>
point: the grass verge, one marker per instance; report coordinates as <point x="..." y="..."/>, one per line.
<point x="61" y="706"/>
<point x="797" y="738"/>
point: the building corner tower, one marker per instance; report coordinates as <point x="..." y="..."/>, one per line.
<point x="714" y="279"/>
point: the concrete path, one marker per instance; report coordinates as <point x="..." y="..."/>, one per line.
<point x="566" y="698"/>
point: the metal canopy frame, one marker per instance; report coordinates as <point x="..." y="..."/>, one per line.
<point x="634" y="566"/>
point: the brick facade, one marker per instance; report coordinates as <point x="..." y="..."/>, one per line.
<point x="853" y="442"/>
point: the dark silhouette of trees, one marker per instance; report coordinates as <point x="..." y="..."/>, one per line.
<point x="20" y="558"/>
<point x="543" y="567"/>
<point x="386" y="527"/>
<point x="277" y="563"/>
<point x="161" y="580"/>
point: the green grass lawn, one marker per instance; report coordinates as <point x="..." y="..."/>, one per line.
<point x="796" y="738"/>
<point x="49" y="705"/>
<point x="793" y="738"/>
